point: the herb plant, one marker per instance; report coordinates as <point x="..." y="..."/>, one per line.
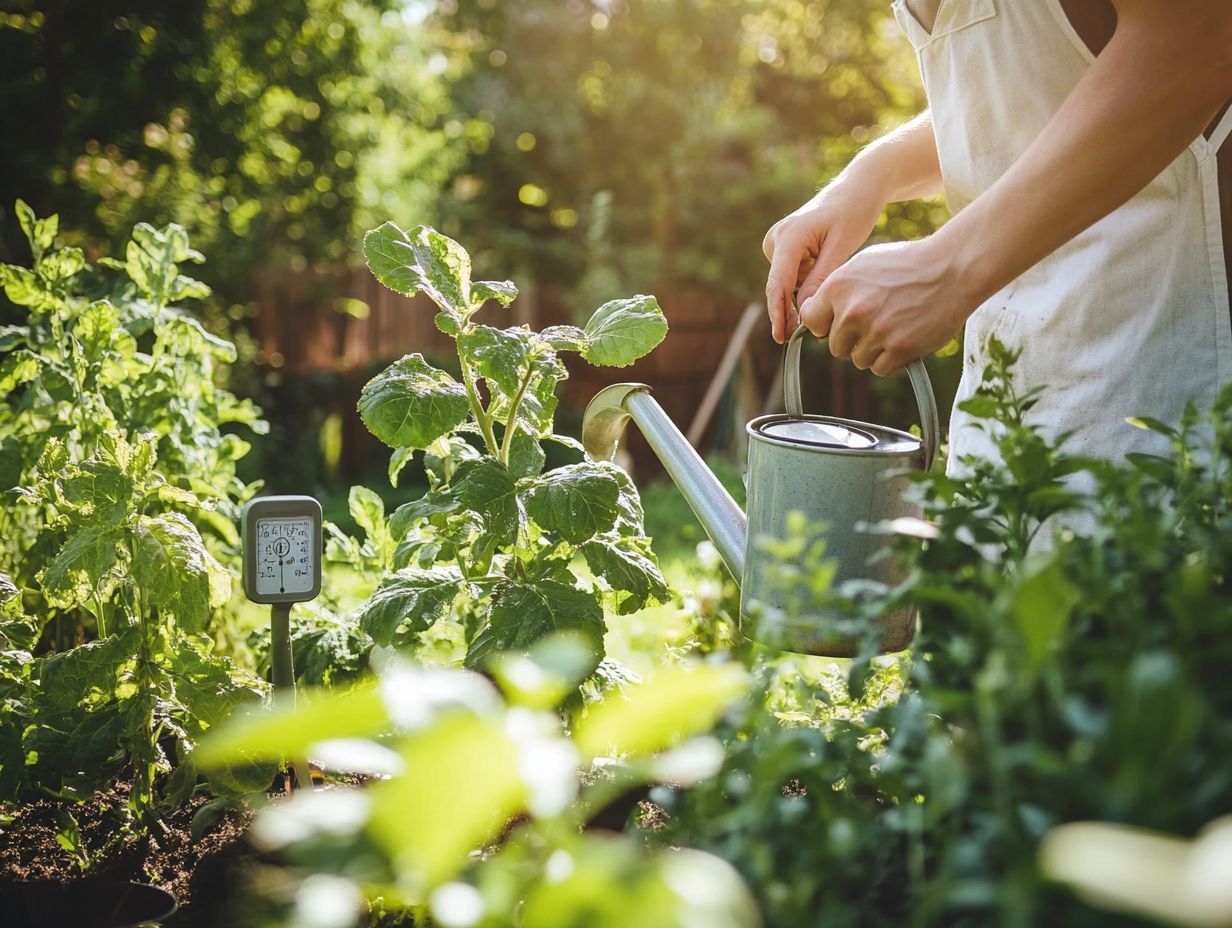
<point x="124" y="493"/>
<point x="494" y="538"/>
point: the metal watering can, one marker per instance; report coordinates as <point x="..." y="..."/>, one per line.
<point x="837" y="472"/>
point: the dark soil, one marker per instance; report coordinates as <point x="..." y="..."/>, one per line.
<point x="201" y="875"/>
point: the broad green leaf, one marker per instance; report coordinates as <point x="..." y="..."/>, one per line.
<point x="526" y="457"/>
<point x="410" y="404"/>
<point x="1043" y="600"/>
<point x="98" y="491"/>
<point x="499" y="355"/>
<point x="23" y="287"/>
<point x="197" y="337"/>
<point x="81" y="568"/>
<point x="95" y="329"/>
<point x="172" y="568"/>
<point x="503" y="291"/>
<point x="460" y="787"/>
<point x="409" y="602"/>
<point x="19" y="367"/>
<point x="421" y="260"/>
<point x="368" y="511"/>
<point x="575" y="502"/>
<point x="288" y="731"/>
<point x="434" y="502"/>
<point x="629" y="569"/>
<point x="565" y="337"/>
<point x="487" y="488"/>
<point x="188" y="288"/>
<point x="676" y="704"/>
<point x="58" y="266"/>
<point x="522" y="613"/>
<point x="632" y="517"/>
<point x="622" y="331"/>
<point x="538" y="405"/>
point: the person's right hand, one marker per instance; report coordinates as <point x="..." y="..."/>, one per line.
<point x="807" y="246"/>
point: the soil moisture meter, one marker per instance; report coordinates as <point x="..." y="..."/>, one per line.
<point x="282" y="565"/>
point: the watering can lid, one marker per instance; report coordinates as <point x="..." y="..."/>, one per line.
<point x="821" y="434"/>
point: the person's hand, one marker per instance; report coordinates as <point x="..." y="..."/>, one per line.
<point x="805" y="247"/>
<point x="890" y="305"/>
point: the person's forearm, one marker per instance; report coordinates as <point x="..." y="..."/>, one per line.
<point x="1164" y="75"/>
<point x="902" y="165"/>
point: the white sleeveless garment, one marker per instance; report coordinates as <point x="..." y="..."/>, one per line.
<point x="1131" y="317"/>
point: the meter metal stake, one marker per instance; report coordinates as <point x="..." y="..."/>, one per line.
<point x="282" y="565"/>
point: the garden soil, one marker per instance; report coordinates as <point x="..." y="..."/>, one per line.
<point x="201" y="875"/>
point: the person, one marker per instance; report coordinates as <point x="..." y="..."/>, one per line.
<point x="1082" y="147"/>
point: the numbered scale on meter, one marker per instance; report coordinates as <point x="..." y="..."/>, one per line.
<point x="282" y="549"/>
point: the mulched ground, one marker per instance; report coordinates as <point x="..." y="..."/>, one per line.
<point x="201" y="875"/>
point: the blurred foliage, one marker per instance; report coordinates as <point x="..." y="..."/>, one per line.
<point x="272" y="133"/>
<point x="635" y="142"/>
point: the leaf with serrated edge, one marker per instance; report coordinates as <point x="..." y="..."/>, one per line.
<point x="522" y="613"/>
<point x="575" y="502"/>
<point x="172" y="568"/>
<point x="410" y="404"/>
<point x="503" y="291"/>
<point x="622" y="331"/>
<point x="81" y="567"/>
<point x="632" y="573"/>
<point x="565" y="337"/>
<point x="487" y="488"/>
<point x="499" y="355"/>
<point x="422" y="259"/>
<point x="434" y="502"/>
<point x="526" y="456"/>
<point x="409" y="602"/>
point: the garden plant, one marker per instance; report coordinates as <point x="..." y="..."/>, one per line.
<point x="118" y="526"/>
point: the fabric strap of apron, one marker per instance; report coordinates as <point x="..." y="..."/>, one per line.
<point x="1222" y="130"/>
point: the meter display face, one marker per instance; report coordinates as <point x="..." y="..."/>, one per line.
<point x="285" y="555"/>
<point x="282" y="549"/>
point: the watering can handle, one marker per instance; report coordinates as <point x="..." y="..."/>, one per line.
<point x="920" y="384"/>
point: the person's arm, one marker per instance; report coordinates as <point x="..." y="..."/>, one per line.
<point x="805" y="247"/>
<point x="1156" y="86"/>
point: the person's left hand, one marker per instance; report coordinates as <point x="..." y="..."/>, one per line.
<point x="889" y="305"/>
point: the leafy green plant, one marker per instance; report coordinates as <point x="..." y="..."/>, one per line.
<point x="1082" y="678"/>
<point x="479" y="817"/>
<point x="494" y="537"/>
<point x="112" y="433"/>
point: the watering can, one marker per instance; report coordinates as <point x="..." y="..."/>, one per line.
<point x="840" y="473"/>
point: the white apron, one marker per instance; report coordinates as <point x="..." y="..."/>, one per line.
<point x="1130" y="318"/>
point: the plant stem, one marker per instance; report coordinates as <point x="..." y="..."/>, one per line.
<point x="100" y="615"/>
<point x="477" y="410"/>
<point x="511" y="426"/>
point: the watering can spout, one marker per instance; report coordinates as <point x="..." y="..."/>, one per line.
<point x="604" y="423"/>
